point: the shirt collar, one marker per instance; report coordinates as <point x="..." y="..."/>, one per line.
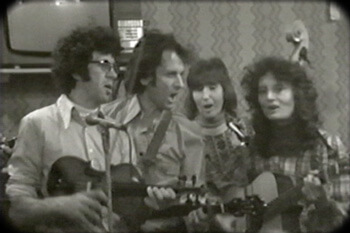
<point x="123" y="111"/>
<point x="65" y="107"/>
<point x="131" y="110"/>
<point x="220" y="129"/>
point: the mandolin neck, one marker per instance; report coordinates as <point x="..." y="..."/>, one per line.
<point x="140" y="190"/>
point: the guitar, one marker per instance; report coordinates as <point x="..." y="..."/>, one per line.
<point x="280" y="202"/>
<point x="277" y="201"/>
<point x="70" y="174"/>
<point x="268" y="215"/>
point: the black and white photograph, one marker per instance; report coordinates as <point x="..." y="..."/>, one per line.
<point x="157" y="116"/>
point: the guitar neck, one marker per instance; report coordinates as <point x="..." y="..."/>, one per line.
<point x="283" y="202"/>
<point x="185" y="209"/>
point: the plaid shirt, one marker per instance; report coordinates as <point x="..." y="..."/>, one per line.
<point x="333" y="162"/>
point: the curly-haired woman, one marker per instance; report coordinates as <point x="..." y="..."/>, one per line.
<point x="289" y="142"/>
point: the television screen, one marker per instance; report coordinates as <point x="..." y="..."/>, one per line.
<point x="35" y="26"/>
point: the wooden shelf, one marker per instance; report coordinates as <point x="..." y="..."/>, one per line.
<point x="24" y="70"/>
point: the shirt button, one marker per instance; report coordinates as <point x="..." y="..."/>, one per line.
<point x="91" y="150"/>
<point x="96" y="165"/>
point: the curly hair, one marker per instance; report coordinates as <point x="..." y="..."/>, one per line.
<point x="147" y="57"/>
<point x="305" y="95"/>
<point x="73" y="53"/>
<point x="207" y="72"/>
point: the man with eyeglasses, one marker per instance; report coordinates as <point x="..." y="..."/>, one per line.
<point x="85" y="69"/>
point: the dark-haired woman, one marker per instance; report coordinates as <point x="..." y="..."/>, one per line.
<point x="213" y="102"/>
<point x="290" y="142"/>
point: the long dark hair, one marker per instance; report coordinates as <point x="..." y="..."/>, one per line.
<point x="305" y="113"/>
<point x="211" y="71"/>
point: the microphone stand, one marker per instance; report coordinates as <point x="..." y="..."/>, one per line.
<point x="108" y="157"/>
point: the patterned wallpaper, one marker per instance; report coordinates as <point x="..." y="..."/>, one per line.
<point x="238" y="32"/>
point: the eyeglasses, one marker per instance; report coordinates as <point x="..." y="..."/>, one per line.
<point x="106" y="66"/>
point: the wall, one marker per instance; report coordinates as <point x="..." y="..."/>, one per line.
<point x="238" y="32"/>
<point x="23" y="94"/>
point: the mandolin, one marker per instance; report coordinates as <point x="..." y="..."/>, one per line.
<point x="71" y="174"/>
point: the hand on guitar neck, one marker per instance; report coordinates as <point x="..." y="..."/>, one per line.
<point x="267" y="217"/>
<point x="160" y="197"/>
<point x="313" y="190"/>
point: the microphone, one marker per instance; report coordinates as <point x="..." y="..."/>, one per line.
<point x="91" y="120"/>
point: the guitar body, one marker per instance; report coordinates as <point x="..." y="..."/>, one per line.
<point x="281" y="196"/>
<point x="265" y="186"/>
<point x="227" y="222"/>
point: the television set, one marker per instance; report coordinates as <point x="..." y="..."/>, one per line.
<point x="30" y="29"/>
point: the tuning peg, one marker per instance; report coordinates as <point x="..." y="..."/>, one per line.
<point x="181" y="180"/>
<point x="191" y="199"/>
<point x="303" y="55"/>
<point x="202" y="200"/>
<point x="135" y="179"/>
<point x="194" y="180"/>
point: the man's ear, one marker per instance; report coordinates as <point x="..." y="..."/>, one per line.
<point x="146" y="81"/>
<point x="77" y="77"/>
